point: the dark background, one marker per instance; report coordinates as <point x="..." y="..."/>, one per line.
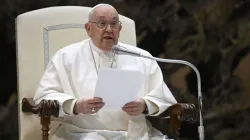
<point x="214" y="35"/>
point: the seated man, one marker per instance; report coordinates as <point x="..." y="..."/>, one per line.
<point x="71" y="75"/>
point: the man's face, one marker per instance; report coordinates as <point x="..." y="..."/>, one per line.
<point x="104" y="27"/>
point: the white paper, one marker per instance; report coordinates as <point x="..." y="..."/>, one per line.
<point x="117" y="87"/>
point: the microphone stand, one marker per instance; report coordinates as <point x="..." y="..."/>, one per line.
<point x="200" y="127"/>
<point x="120" y="50"/>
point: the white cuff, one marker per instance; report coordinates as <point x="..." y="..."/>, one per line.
<point x="68" y="106"/>
<point x="152" y="107"/>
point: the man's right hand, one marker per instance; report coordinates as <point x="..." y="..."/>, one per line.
<point x="88" y="106"/>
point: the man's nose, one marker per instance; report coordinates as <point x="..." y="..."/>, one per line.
<point x="108" y="28"/>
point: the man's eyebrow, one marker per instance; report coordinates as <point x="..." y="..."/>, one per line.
<point x="100" y="17"/>
<point x="103" y="18"/>
<point x="115" y="18"/>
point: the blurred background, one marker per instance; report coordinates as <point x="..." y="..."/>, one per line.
<point x="214" y="35"/>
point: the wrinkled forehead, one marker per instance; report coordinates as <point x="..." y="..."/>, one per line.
<point x="105" y="12"/>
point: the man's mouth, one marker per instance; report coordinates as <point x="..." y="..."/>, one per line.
<point x="108" y="37"/>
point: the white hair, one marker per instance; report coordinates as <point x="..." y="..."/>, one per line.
<point x="98" y="5"/>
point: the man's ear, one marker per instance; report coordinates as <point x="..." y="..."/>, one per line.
<point x="120" y="28"/>
<point x="87" y="28"/>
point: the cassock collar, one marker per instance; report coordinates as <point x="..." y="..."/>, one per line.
<point x="99" y="51"/>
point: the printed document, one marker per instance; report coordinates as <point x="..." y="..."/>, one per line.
<point x="117" y="87"/>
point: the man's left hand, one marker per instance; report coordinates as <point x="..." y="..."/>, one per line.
<point x="135" y="108"/>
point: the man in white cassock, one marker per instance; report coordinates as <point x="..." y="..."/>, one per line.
<point x="71" y="76"/>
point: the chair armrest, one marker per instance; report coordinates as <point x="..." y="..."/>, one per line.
<point x="45" y="109"/>
<point x="180" y="112"/>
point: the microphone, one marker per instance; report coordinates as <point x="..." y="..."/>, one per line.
<point x="120" y="50"/>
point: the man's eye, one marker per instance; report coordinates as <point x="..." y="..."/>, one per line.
<point x="114" y="23"/>
<point x="102" y="23"/>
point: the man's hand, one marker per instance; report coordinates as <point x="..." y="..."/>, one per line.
<point x="88" y="106"/>
<point x="135" y="108"/>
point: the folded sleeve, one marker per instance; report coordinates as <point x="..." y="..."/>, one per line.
<point x="159" y="97"/>
<point x="68" y="106"/>
<point x="50" y="88"/>
<point x="152" y="107"/>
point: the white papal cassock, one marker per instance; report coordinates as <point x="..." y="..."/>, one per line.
<point x="72" y="74"/>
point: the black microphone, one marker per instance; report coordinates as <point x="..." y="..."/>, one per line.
<point x="120" y="50"/>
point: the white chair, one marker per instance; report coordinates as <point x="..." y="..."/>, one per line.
<point x="39" y="34"/>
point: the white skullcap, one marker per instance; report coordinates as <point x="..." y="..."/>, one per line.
<point x="98" y="5"/>
<point x="101" y="4"/>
